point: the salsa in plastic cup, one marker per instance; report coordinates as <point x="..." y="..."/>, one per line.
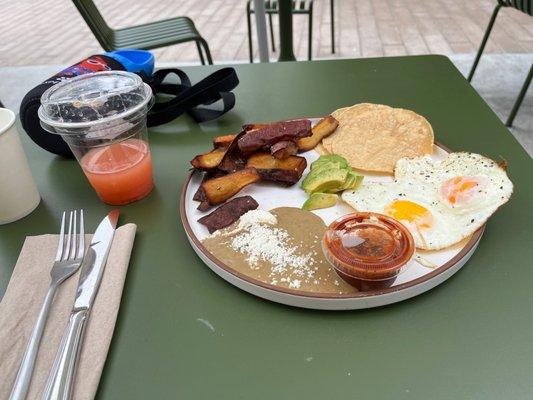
<point x="102" y="117"/>
<point x="368" y="250"/>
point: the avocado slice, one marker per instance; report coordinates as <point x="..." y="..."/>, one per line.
<point x="325" y="166"/>
<point x="352" y="181"/>
<point x="330" y="158"/>
<point x="320" y="200"/>
<point x="325" y="181"/>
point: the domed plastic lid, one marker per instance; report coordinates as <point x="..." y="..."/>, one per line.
<point x="368" y="246"/>
<point x="90" y="99"/>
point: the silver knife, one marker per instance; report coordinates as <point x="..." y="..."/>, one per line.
<point x="61" y="378"/>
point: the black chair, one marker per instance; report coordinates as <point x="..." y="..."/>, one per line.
<point x="526" y="6"/>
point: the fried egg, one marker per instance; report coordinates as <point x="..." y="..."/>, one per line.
<point x="440" y="202"/>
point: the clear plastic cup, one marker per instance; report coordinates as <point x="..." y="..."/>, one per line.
<point x="368" y="250"/>
<point x="102" y="117"/>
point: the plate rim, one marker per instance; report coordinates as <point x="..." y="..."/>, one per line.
<point x="472" y="243"/>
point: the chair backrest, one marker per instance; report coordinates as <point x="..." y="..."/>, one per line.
<point x="522" y="5"/>
<point x="96" y="22"/>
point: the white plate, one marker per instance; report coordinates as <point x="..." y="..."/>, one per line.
<point x="413" y="280"/>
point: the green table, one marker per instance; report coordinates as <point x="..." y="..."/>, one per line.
<point x="469" y="338"/>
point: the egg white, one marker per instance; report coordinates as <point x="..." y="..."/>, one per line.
<point x="419" y="180"/>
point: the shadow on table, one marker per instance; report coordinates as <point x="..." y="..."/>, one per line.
<point x="184" y="130"/>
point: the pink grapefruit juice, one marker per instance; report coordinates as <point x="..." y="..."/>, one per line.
<point x="120" y="173"/>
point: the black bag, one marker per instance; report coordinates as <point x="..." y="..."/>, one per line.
<point x="192" y="99"/>
<point x="184" y="98"/>
<point x="32" y="101"/>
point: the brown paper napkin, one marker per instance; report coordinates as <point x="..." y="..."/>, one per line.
<point x="23" y="299"/>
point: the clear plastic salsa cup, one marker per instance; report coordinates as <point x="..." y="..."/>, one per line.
<point x="368" y="250"/>
<point x="102" y="118"/>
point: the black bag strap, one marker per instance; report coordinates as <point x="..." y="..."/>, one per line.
<point x="188" y="98"/>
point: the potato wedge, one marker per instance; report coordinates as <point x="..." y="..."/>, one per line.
<point x="200" y="194"/>
<point x="223" y="141"/>
<point x="218" y="190"/>
<point x="209" y="160"/>
<point x="287" y="171"/>
<point x="325" y="127"/>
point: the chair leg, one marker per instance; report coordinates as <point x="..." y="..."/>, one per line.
<point x="484" y="41"/>
<point x="200" y="52"/>
<point x="249" y="21"/>
<point x="310" y="35"/>
<point x="271" y="33"/>
<point x="207" y="52"/>
<point x="332" y="11"/>
<point x="520" y="98"/>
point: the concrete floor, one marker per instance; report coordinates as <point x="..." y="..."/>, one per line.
<point x="498" y="80"/>
<point x="52" y="32"/>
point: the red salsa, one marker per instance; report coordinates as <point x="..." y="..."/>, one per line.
<point x="367" y="247"/>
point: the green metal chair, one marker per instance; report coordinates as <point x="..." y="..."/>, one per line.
<point x="146" y="36"/>
<point x="298" y="7"/>
<point x="525" y="6"/>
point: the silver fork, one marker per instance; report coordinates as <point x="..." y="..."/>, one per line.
<point x="70" y="251"/>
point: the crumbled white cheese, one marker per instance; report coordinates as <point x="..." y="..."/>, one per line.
<point x="266" y="243"/>
<point x="295" y="284"/>
<point x="257" y="237"/>
<point x="248" y="219"/>
<point x="257" y="217"/>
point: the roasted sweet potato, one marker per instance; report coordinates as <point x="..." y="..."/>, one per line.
<point x="233" y="160"/>
<point x="223" y="141"/>
<point x="218" y="190"/>
<point x="284" y="149"/>
<point x="228" y="213"/>
<point x="287" y="171"/>
<point x="253" y="127"/>
<point x="325" y="127"/>
<point x="264" y="137"/>
<point x="209" y="160"/>
<point x="200" y="194"/>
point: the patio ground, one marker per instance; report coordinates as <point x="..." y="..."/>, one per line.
<point x="52" y="32"/>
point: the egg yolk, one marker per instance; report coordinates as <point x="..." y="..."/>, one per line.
<point x="459" y="190"/>
<point x="405" y="210"/>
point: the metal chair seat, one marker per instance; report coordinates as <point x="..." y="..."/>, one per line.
<point x="145" y="36"/>
<point x="150" y="35"/>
